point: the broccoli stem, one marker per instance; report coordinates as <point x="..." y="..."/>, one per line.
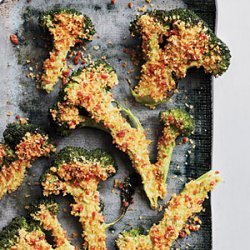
<point x="180" y="208"/>
<point x="86" y="207"/>
<point x="135" y="121"/>
<point x="48" y="221"/>
<point x="166" y="145"/>
<point x="90" y="123"/>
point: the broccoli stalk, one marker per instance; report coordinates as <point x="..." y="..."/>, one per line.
<point x="87" y="90"/>
<point x="180" y="208"/>
<point x="45" y="212"/>
<point x="77" y="172"/>
<point x="24" y="143"/>
<point x="20" y="234"/>
<point x="172" y="42"/>
<point x="68" y="27"/>
<point x="177" y="123"/>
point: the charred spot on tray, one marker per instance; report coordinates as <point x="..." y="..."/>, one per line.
<point x="110" y="6"/>
<point x="97" y="7"/>
<point x="128" y="189"/>
<point x="101" y="204"/>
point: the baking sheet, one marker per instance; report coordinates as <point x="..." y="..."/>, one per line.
<point x="19" y="95"/>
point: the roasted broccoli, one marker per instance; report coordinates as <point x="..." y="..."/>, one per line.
<point x="45" y="212"/>
<point x="77" y="172"/>
<point x="172" y="42"/>
<point x="65" y="116"/>
<point x="87" y="90"/>
<point x="180" y="208"/>
<point x="21" y="234"/>
<point x="26" y="234"/>
<point x="68" y="27"/>
<point x="24" y="143"/>
<point x="177" y="122"/>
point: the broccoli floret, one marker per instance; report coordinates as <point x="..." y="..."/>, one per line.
<point x="68" y="27"/>
<point x="24" y="143"/>
<point x="180" y="208"/>
<point x="172" y="42"/>
<point x="88" y="90"/>
<point x="15" y="132"/>
<point x="45" y="212"/>
<point x="21" y="234"/>
<point x="177" y="122"/>
<point x="77" y="172"/>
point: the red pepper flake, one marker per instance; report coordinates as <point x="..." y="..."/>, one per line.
<point x="104" y="76"/>
<point x="113" y="1"/>
<point x="176" y="217"/>
<point x="212" y="183"/>
<point x="182" y="234"/>
<point x="199" y="202"/>
<point x="125" y="204"/>
<point x="33" y="241"/>
<point x="217" y="172"/>
<point x="78" y="41"/>
<point x="170" y="228"/>
<point x="203" y="36"/>
<point x="64" y="81"/>
<point x="121" y="133"/>
<point x="14" y="39"/>
<point x="42" y="237"/>
<point x="77" y="57"/>
<point x="76" y="184"/>
<point x="66" y="73"/>
<point x="93" y="214"/>
<point x="185" y="140"/>
<point x="17" y="117"/>
<point x="170" y="118"/>
<point x="130" y="5"/>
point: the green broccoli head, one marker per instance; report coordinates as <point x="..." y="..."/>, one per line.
<point x="77" y="154"/>
<point x="169" y="19"/>
<point x="50" y="20"/>
<point x="179" y="120"/>
<point x="10" y="234"/>
<point x="105" y="74"/>
<point x="49" y="203"/>
<point x="173" y="42"/>
<point x="15" y="132"/>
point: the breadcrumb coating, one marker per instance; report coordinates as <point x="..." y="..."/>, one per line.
<point x="180" y="208"/>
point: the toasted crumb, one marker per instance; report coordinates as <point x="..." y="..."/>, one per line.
<point x="14" y="39"/>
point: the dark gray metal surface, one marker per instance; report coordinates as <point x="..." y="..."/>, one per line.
<point x="19" y="95"/>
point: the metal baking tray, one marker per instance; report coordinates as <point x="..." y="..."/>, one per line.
<point x="19" y="95"/>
